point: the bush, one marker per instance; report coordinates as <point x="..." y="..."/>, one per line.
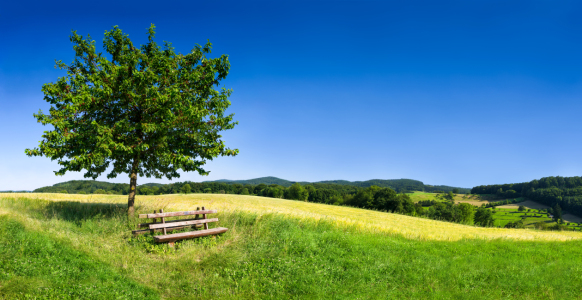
<point x="541" y="225"/>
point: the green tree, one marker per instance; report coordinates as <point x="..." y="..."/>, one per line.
<point x="296" y="192"/>
<point x="484" y="217"/>
<point x="99" y="191"/>
<point x="557" y="213"/>
<point x="244" y="191"/>
<point x="466" y="213"/>
<point x="521" y="208"/>
<point x="145" y="111"/>
<point x="186" y="189"/>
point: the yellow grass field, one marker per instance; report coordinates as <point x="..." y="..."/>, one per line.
<point x="459" y="198"/>
<point x="366" y="220"/>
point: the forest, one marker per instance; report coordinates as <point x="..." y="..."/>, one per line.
<point x="564" y="191"/>
<point x="332" y="192"/>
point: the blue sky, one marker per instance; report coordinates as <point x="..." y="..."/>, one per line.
<point x="459" y="93"/>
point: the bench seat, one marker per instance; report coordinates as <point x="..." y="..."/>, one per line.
<point x="187" y="235"/>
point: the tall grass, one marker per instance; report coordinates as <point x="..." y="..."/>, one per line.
<point x="68" y="249"/>
<point x="366" y="220"/>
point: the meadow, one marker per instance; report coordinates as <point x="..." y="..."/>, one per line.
<point x="476" y="200"/>
<point x="58" y="246"/>
<point x="505" y="213"/>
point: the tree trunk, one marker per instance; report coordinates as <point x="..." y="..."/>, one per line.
<point x="132" y="187"/>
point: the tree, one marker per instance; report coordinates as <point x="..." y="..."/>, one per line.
<point x="521" y="208"/>
<point x="466" y="212"/>
<point x="186" y="189"/>
<point x="484" y="217"/>
<point x="557" y="213"/>
<point x="455" y="190"/>
<point x="296" y="192"/>
<point x="144" y="111"/>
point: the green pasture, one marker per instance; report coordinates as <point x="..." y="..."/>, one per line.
<point x="72" y="250"/>
<point x="503" y="216"/>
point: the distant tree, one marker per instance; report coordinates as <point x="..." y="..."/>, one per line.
<point x="541" y="225"/>
<point x="207" y="190"/>
<point x="260" y="187"/>
<point x="455" y="191"/>
<point x="144" y="111"/>
<point x="296" y="192"/>
<point x="557" y="213"/>
<point x="186" y="189"/>
<point x="244" y="191"/>
<point x="99" y="191"/>
<point x="365" y="198"/>
<point x="484" y="217"/>
<point x="521" y="208"/>
<point x="466" y="213"/>
<point x="419" y="209"/>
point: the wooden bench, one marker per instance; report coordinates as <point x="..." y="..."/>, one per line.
<point x="164" y="226"/>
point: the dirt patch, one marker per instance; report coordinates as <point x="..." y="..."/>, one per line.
<point x="528" y="204"/>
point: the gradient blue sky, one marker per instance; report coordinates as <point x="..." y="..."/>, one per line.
<point x="459" y="93"/>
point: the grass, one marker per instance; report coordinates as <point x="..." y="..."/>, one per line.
<point x="476" y="200"/>
<point x="345" y="217"/>
<point x="503" y="216"/>
<point x="67" y="248"/>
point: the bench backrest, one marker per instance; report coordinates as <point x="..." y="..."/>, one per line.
<point x="176" y="224"/>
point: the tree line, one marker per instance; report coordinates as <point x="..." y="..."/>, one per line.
<point x="372" y="197"/>
<point x="563" y="191"/>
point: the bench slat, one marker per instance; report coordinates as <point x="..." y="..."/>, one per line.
<point x="166" y="225"/>
<point x="177" y="213"/>
<point x="143" y="225"/>
<point x="187" y="235"/>
<point x="144" y="231"/>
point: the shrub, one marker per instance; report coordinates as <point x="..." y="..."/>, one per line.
<point x="541" y="225"/>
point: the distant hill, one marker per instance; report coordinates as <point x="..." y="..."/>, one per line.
<point x="84" y="187"/>
<point x="90" y="186"/>
<point x="396" y="184"/>
<point x="152" y="184"/>
<point x="264" y="180"/>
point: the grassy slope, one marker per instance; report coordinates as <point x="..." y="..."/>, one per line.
<point x="68" y="247"/>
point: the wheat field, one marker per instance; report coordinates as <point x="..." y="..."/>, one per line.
<point x="342" y="216"/>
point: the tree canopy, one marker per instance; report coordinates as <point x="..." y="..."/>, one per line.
<point x="146" y="111"/>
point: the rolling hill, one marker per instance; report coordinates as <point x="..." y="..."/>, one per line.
<point x="400" y="185"/>
<point x="80" y="246"/>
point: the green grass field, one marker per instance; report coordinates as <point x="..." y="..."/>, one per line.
<point x="503" y="216"/>
<point x="63" y="249"/>
<point x="505" y="213"/>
